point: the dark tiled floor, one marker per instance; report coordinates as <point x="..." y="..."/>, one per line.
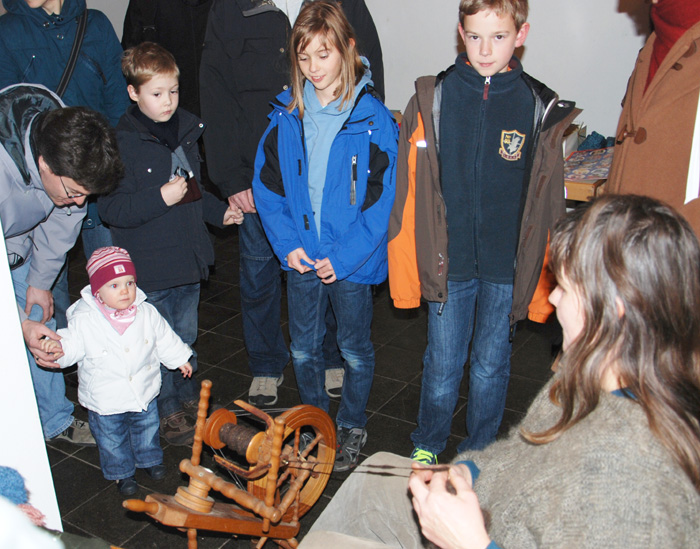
<point x="91" y="506"/>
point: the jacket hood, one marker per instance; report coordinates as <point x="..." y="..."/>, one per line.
<point x="19" y="104"/>
<point x="70" y="10"/>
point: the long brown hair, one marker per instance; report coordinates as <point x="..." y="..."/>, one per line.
<point x="327" y="21"/>
<point x="636" y="266"/>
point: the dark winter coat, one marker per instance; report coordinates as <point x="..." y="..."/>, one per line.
<point x="169" y="245"/>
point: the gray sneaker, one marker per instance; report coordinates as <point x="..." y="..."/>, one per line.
<point x="77" y="433"/>
<point x="177" y="429"/>
<point x="349" y="442"/>
<point x="263" y="391"/>
<point x="334" y="382"/>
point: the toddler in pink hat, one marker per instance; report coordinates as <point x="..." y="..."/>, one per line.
<point x="119" y="341"/>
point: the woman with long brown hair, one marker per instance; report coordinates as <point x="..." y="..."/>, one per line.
<point x="609" y="452"/>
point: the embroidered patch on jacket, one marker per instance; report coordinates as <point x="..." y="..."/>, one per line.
<point x="512" y="142"/>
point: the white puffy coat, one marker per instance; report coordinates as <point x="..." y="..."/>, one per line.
<point x="119" y="373"/>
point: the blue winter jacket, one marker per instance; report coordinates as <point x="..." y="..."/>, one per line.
<point x="357" y="197"/>
<point x="35" y="46"/>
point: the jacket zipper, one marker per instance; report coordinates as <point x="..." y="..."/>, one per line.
<point x="487" y="85"/>
<point x="353" y="184"/>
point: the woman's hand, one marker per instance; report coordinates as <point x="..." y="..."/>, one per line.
<point x="448" y="509"/>
<point x="294" y="259"/>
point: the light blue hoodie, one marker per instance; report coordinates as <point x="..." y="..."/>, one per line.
<point x="321" y="125"/>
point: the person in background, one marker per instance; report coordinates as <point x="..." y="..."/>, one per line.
<point x="158" y="213"/>
<point x="36" y="38"/>
<point x="244" y="66"/>
<point x="324" y="185"/>
<point x="119" y="342"/>
<point x="608" y="454"/>
<point x="657" y="148"/>
<point x="480" y="182"/>
<point x="51" y="159"/>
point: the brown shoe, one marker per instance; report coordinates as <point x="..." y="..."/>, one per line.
<point x="177" y="429"/>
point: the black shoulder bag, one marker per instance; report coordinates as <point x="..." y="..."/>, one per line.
<point x="74" y="52"/>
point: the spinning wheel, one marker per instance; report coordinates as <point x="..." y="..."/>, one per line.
<point x="289" y="466"/>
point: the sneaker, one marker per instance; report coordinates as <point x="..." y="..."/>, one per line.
<point x="334" y="382"/>
<point x="127" y="486"/>
<point x="78" y="433"/>
<point x="424" y="456"/>
<point x="157" y="472"/>
<point x="263" y="390"/>
<point x="348" y="446"/>
<point x="176" y="429"/>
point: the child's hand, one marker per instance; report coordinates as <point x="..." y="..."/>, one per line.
<point x="325" y="271"/>
<point x="186" y="369"/>
<point x="294" y="259"/>
<point x="233" y="215"/>
<point x="174" y="190"/>
<point x="52" y="347"/>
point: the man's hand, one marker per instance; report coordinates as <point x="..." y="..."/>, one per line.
<point x="43" y="298"/>
<point x="174" y="190"/>
<point x="243" y="200"/>
<point x="294" y="260"/>
<point x="33" y="332"/>
<point x="448" y="509"/>
<point x="325" y="271"/>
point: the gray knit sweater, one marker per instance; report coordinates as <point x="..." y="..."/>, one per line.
<point x="606" y="482"/>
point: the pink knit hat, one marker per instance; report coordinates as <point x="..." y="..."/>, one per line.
<point x="106" y="264"/>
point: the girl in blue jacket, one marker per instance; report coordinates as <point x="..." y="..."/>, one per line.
<point x="324" y="187"/>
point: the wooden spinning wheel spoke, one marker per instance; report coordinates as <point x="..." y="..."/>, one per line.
<point x="289" y="466"/>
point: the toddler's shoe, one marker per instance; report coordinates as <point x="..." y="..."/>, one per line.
<point x="349" y="442"/>
<point x="157" y="472"/>
<point x="127" y="486"/>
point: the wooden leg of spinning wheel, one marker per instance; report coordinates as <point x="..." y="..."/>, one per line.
<point x="191" y="538"/>
<point x="201" y="420"/>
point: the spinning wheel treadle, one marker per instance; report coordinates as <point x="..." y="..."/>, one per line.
<point x="289" y="466"/>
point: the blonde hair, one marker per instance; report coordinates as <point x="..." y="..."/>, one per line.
<point x="327" y="21"/>
<point x="148" y="59"/>
<point x="517" y="9"/>
<point x="637" y="252"/>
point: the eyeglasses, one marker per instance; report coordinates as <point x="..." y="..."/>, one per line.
<point x="71" y="196"/>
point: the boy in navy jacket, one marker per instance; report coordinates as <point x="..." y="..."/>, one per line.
<point x="158" y="213"/>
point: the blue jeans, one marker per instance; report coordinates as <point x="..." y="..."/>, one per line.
<point x="55" y="410"/>
<point x="475" y="308"/>
<point x="179" y="307"/>
<point x="93" y="236"/>
<point x="261" y="297"/>
<point x="308" y="300"/>
<point x="127" y="441"/>
<point x="61" y="297"/>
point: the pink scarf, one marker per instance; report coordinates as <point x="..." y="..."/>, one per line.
<point x="119" y="319"/>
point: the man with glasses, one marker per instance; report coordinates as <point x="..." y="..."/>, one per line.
<point x="51" y="158"/>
